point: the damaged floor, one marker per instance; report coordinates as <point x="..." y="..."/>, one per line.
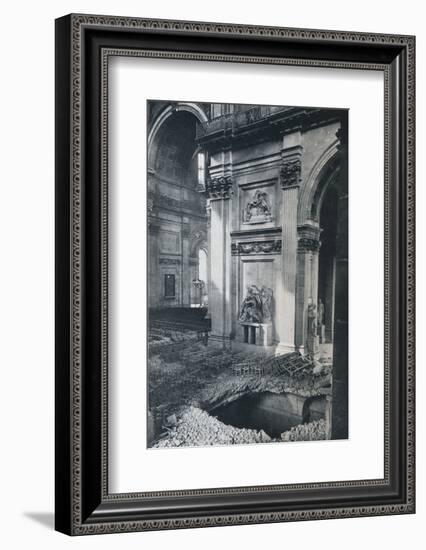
<point x="189" y="381"/>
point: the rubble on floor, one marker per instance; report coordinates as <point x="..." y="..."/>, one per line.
<point x="314" y="431"/>
<point x="198" y="428"/>
<point x="185" y="376"/>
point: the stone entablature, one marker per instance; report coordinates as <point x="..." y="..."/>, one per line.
<point x="249" y="124"/>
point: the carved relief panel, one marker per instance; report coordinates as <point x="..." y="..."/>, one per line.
<point x="257" y="208"/>
<point x="257" y="204"/>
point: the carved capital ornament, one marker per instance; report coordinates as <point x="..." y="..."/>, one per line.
<point x="290" y="172"/>
<point x="219" y="187"/>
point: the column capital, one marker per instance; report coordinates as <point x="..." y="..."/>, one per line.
<point x="305" y="244"/>
<point x="290" y="172"/>
<point x="308" y="237"/>
<point x="219" y="187"/>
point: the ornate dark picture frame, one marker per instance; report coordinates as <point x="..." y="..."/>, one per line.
<point x="84" y="44"/>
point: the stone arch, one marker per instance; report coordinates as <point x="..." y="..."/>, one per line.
<point x="323" y="175"/>
<point x="323" y="171"/>
<point x="169" y="111"/>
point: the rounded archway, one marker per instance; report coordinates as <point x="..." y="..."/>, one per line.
<point x="160" y="124"/>
<point x="317" y="228"/>
<point x="178" y="209"/>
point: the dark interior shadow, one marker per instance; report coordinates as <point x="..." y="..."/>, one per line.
<point x="47" y="519"/>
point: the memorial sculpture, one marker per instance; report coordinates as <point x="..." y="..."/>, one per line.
<point x="256" y="306"/>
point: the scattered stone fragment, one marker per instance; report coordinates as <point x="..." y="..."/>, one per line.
<point x="314" y="431"/>
<point x="171" y="420"/>
<point x="196" y="427"/>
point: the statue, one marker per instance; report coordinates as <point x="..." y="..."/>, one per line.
<point x="312" y="346"/>
<point x="312" y="320"/>
<point x="256" y="306"/>
<point x="258" y="209"/>
<point x="320" y="312"/>
<point x="321" y="327"/>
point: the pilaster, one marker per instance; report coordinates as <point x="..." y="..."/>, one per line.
<point x="219" y="191"/>
<point x="289" y="178"/>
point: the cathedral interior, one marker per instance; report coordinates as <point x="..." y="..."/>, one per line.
<point x="248" y="273"/>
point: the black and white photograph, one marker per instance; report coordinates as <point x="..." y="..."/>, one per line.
<point x="247" y="273"/>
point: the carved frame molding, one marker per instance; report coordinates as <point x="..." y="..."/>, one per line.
<point x="83" y="504"/>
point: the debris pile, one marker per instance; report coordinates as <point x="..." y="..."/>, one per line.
<point x="197" y="428"/>
<point x="314" y="431"/>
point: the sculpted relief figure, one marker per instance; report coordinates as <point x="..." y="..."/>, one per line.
<point x="256" y="306"/>
<point x="258" y="209"/>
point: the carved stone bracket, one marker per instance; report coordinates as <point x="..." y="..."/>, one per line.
<point x="290" y="172"/>
<point x="219" y="187"/>
<point x="256" y="247"/>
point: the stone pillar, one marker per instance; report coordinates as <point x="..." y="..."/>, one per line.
<point x="219" y="190"/>
<point x="307" y="278"/>
<point x="290" y="174"/>
<point x="339" y="416"/>
<point x="154" y="283"/>
<point x="186" y="281"/>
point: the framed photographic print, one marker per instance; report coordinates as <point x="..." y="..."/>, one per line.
<point x="234" y="274"/>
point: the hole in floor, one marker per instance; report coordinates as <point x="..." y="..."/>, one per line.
<point x="271" y="412"/>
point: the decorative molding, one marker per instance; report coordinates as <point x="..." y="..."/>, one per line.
<point x="256" y="247"/>
<point x="170" y="261"/>
<point x="157" y="200"/>
<point x="290" y="172"/>
<point x="219" y="187"/>
<point x="257" y="232"/>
